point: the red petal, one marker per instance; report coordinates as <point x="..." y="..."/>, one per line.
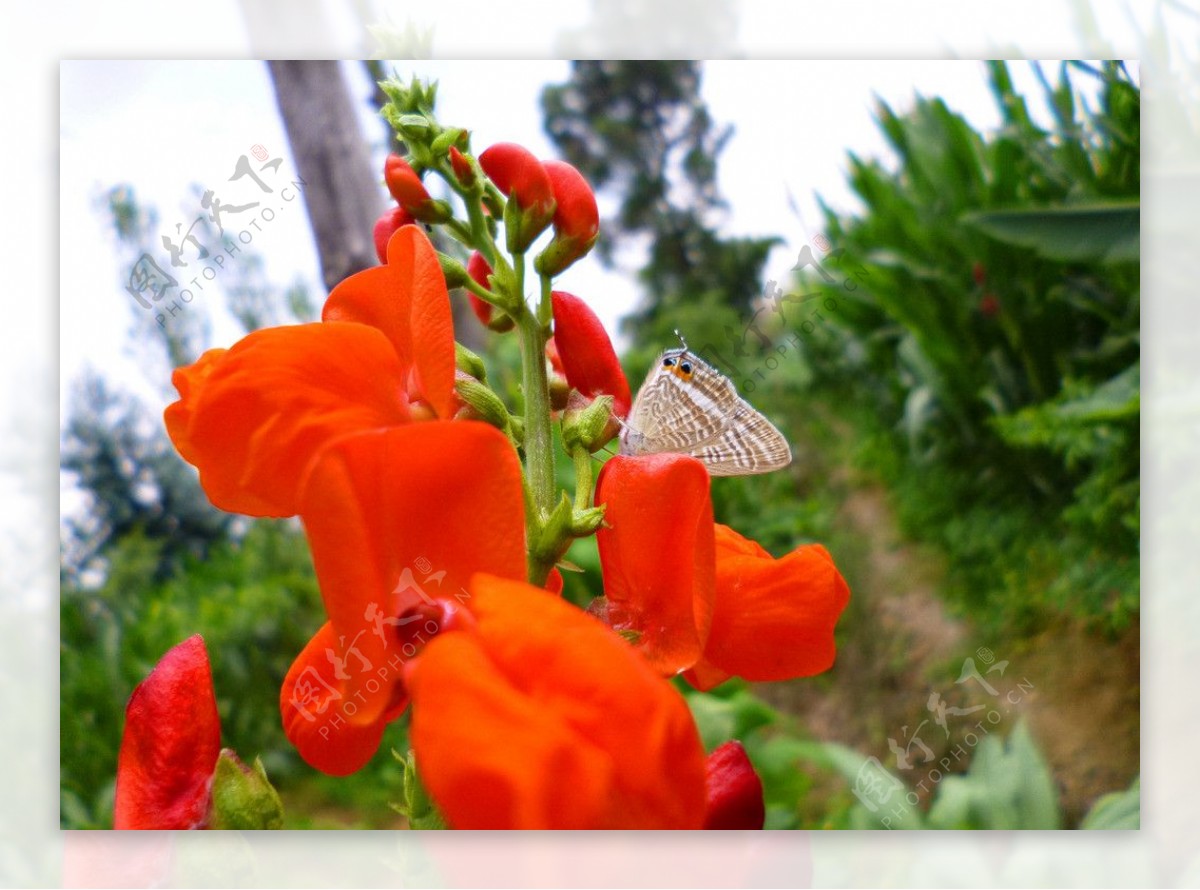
<point x="404" y="183"/>
<point x="407" y="300"/>
<point x="539" y="717"/>
<point x="399" y="515"/>
<point x="656" y="548"/>
<point x="251" y="418"/>
<point x="575" y="214"/>
<point x="587" y="355"/>
<point x="518" y="174"/>
<point x="171" y="743"/>
<point x="463" y="171"/>
<point x="735" y="792"/>
<point x="386" y="226"/>
<point x="479" y="270"/>
<point x="316" y="704"/>
<point x="773" y="619"/>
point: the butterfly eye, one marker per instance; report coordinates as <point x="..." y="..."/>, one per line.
<point x="668" y="363"/>
<point x="686" y="367"/>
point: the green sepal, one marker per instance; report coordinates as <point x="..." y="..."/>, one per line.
<point x="469" y="363"/>
<point x="483" y="402"/>
<point x="418" y="807"/>
<point x="588" y="427"/>
<point x="454" y="272"/>
<point x="242" y="797"/>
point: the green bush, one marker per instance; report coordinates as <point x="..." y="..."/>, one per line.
<point x="984" y="333"/>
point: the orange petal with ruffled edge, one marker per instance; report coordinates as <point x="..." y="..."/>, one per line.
<point x="407" y="300"/>
<point x="539" y="717"/>
<point x="170" y="744"/>
<point x="251" y="418"/>
<point x="315" y="704"/>
<point x="773" y="619"/>
<point x="401" y="517"/>
<point x="656" y="549"/>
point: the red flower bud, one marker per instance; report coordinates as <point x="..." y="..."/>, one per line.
<point x="576" y="218"/>
<point x="588" y="359"/>
<point x="989" y="305"/>
<point x="404" y="183"/>
<point x="523" y="179"/>
<point x="170" y="745"/>
<point x="463" y="171"/>
<point x="410" y="193"/>
<point x="386" y="226"/>
<point x="479" y="270"/>
<point x="734" y="790"/>
<point x="979" y="273"/>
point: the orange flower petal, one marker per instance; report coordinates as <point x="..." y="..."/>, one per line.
<point x="773" y="619"/>
<point x="539" y="717"/>
<point x="251" y="418"/>
<point x="402" y="516"/>
<point x="316" y="705"/>
<point x="170" y="745"/>
<point x="407" y="300"/>
<point x="657" y="552"/>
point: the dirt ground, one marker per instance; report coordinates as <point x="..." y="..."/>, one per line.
<point x="898" y="646"/>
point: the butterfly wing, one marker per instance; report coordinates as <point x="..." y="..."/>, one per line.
<point x="703" y="417"/>
<point x="748" y="444"/>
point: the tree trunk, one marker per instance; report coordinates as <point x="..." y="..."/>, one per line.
<point x="342" y="194"/>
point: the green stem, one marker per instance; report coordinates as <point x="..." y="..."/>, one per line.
<point x="539" y="445"/>
<point x="583" y="477"/>
<point x="545" y="311"/>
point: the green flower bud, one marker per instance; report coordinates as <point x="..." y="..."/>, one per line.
<point x="483" y="401"/>
<point x="455" y="272"/>
<point x="469" y="363"/>
<point x="243" y="798"/>
<point x="588" y="426"/>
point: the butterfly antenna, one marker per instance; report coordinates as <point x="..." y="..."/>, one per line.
<point x="681" y="340"/>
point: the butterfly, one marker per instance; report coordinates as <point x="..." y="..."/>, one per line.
<point x="687" y="406"/>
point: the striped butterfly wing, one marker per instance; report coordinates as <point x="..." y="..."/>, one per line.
<point x="749" y="444"/>
<point x="670" y="414"/>
<point x="703" y="417"/>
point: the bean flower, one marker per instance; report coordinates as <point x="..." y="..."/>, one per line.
<point x="439" y="534"/>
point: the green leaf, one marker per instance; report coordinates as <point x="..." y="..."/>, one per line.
<point x="720" y="719"/>
<point x="1106" y="233"/>
<point x="1009" y="786"/>
<point x="1120" y="810"/>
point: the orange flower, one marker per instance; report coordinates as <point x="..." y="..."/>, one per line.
<point x="773" y="619"/>
<point x="254" y="417"/>
<point x="398" y="520"/>
<point x="656" y="548"/>
<point x="536" y="716"/>
<point x="700" y="597"/>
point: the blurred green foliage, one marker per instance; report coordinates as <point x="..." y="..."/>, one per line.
<point x="983" y="333"/>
